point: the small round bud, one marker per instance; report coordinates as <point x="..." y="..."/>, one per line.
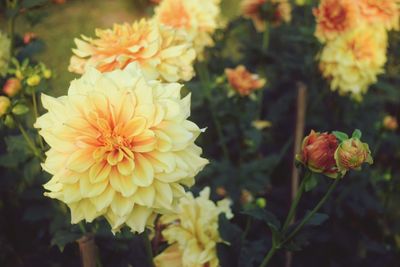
<point x="261" y="202"/>
<point x="390" y="123"/>
<point x="34" y="80"/>
<point x="5" y="103"/>
<point x="12" y="87"/>
<point x="47" y="73"/>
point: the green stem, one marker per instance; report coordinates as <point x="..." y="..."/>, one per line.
<point x="260" y="104"/>
<point x="11" y="25"/>
<point x="29" y="141"/>
<point x="36" y="115"/>
<point x="312" y="213"/>
<point x="148" y="248"/>
<point x="82" y="227"/>
<point x="269" y="256"/>
<point x="295" y="203"/>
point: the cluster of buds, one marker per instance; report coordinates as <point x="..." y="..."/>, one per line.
<point x="333" y="154"/>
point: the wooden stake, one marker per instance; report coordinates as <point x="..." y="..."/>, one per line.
<point x="88" y="250"/>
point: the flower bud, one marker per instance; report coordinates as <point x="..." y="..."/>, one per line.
<point x="246" y="197"/>
<point x="318" y="152"/>
<point x="351" y="154"/>
<point x="261" y="202"/>
<point x="390" y="123"/>
<point x="33" y="80"/>
<point x="12" y="87"/>
<point x="19" y="75"/>
<point x="4" y="105"/>
<point x="47" y="74"/>
<point x="29" y="37"/>
<point x="221" y="191"/>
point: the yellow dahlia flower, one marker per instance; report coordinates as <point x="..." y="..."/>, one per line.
<point x="197" y="17"/>
<point x="163" y="53"/>
<point x="193" y="232"/>
<point x="4" y="53"/>
<point x="353" y="60"/>
<point x="120" y="146"/>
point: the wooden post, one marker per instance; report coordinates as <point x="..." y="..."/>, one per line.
<point x="88" y="250"/>
<point x="298" y="138"/>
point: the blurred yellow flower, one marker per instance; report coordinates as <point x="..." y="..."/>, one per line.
<point x="162" y="53"/>
<point x="252" y="9"/>
<point x="384" y="12"/>
<point x="261" y="124"/>
<point x="243" y="81"/>
<point x="335" y="17"/>
<point x="4" y="105"/>
<point x="352" y="61"/>
<point x="121" y="147"/>
<point x="5" y="44"/>
<point x="193" y="231"/>
<point x="199" y="18"/>
<point x="33" y="80"/>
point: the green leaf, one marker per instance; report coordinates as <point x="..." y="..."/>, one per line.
<point x="317" y="219"/>
<point x="311" y="182"/>
<point x="265" y="216"/>
<point x="63" y="238"/>
<point x="356" y="134"/>
<point x="20" y="109"/>
<point x="340" y="135"/>
<point x="228" y="254"/>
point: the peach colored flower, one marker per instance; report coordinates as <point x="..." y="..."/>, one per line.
<point x="252" y="9"/>
<point x="243" y="81"/>
<point x="161" y="52"/>
<point x="12" y="87"/>
<point x="385" y="12"/>
<point x="197" y="17"/>
<point x="120" y="147"/>
<point x="317" y="153"/>
<point x="193" y="231"/>
<point x="335" y="17"/>
<point x="29" y="37"/>
<point x="390" y="123"/>
<point x="353" y="61"/>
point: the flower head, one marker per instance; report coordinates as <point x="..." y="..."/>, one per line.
<point x="385" y="12"/>
<point x="196" y="17"/>
<point x="120" y="146"/>
<point x="161" y="52"/>
<point x="335" y="17"/>
<point x="193" y="231"/>
<point x="351" y="154"/>
<point x="318" y="152"/>
<point x="5" y="44"/>
<point x="243" y="81"/>
<point x="4" y="105"/>
<point x="353" y="60"/>
<point x="390" y="123"/>
<point x="12" y="87"/>
<point x="253" y="9"/>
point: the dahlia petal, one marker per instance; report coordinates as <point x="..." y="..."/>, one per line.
<point x="80" y="161"/>
<point x="163" y="162"/>
<point x="71" y="193"/>
<point x="164" y="142"/>
<point x="114" y="157"/>
<point x="144" y="142"/>
<point x="99" y="172"/>
<point x="103" y="200"/>
<point x="138" y="218"/>
<point x="145" y="196"/>
<point x="122" y="184"/>
<point x="126" y="166"/>
<point x="121" y="206"/>
<point x="164" y="194"/>
<point x="143" y="173"/>
<point x="89" y="189"/>
<point x="134" y="127"/>
<point x="172" y="177"/>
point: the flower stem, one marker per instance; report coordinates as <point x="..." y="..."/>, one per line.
<point x="29" y="141"/>
<point x="269" y="256"/>
<point x="312" y="213"/>
<point x="295" y="203"/>
<point x="148" y="248"/>
<point x="36" y="115"/>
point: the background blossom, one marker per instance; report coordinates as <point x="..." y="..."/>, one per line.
<point x="193" y="231"/>
<point x="161" y="52"/>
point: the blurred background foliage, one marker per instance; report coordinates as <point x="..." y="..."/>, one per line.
<point x="363" y="228"/>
